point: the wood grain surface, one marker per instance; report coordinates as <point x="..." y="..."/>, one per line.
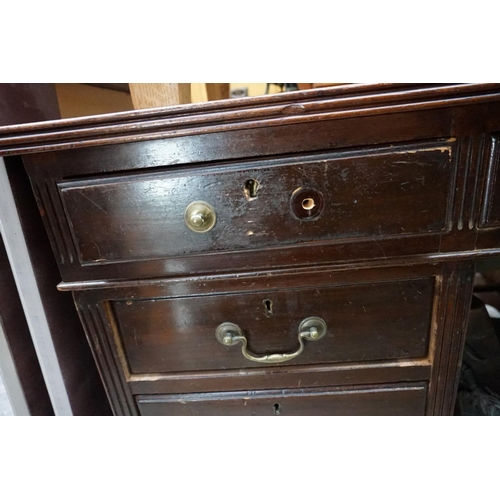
<point x="158" y="95"/>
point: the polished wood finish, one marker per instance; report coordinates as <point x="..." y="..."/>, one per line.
<point x="196" y="347"/>
<point x="123" y="218"/>
<point x="388" y="400"/>
<point x="366" y="322"/>
<point x="453" y="313"/>
<point x="277" y="110"/>
<point x="278" y="377"/>
<point x="404" y="190"/>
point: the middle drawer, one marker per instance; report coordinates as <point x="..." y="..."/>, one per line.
<point x="355" y="321"/>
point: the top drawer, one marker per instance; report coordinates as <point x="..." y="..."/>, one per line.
<point x="266" y="204"/>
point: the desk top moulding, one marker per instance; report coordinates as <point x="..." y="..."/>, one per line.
<point x="326" y="104"/>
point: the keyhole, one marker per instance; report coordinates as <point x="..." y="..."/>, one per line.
<point x="268" y="305"/>
<point x="250" y="189"/>
<point x="277" y="409"/>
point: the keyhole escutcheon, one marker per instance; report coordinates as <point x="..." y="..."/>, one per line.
<point x="268" y="307"/>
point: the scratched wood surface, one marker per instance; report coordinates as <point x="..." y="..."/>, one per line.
<point x="400" y="400"/>
<point x="402" y="188"/>
<point x="366" y="322"/>
<point x="142" y="216"/>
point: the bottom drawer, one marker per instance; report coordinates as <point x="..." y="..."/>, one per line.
<point x="394" y="399"/>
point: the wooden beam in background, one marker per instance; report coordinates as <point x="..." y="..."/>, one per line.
<point x="120" y="87"/>
<point x="157" y="95"/>
<point x="217" y="91"/>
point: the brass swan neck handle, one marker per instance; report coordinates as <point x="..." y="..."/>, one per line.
<point x="310" y="329"/>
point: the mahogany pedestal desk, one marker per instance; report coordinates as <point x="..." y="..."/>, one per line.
<point x="309" y="253"/>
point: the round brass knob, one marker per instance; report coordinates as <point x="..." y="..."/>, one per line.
<point x="197" y="219"/>
<point x="200" y="216"/>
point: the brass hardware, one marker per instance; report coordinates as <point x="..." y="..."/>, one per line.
<point x="311" y="329"/>
<point x="200" y="216"/>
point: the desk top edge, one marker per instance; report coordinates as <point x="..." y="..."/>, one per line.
<point x="337" y="102"/>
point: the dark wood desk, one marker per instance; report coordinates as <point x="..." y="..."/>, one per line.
<point x="329" y="269"/>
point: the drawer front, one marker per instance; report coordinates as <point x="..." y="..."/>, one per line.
<point x="364" y="322"/>
<point x="267" y="204"/>
<point x="396" y="399"/>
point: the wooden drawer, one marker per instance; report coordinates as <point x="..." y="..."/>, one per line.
<point x="394" y="399"/>
<point x="259" y="205"/>
<point x="158" y="331"/>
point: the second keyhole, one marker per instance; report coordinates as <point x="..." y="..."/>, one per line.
<point x="268" y="307"/>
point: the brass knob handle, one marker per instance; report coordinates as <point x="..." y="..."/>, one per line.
<point x="200" y="216"/>
<point x="197" y="219"/>
<point x="311" y="329"/>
